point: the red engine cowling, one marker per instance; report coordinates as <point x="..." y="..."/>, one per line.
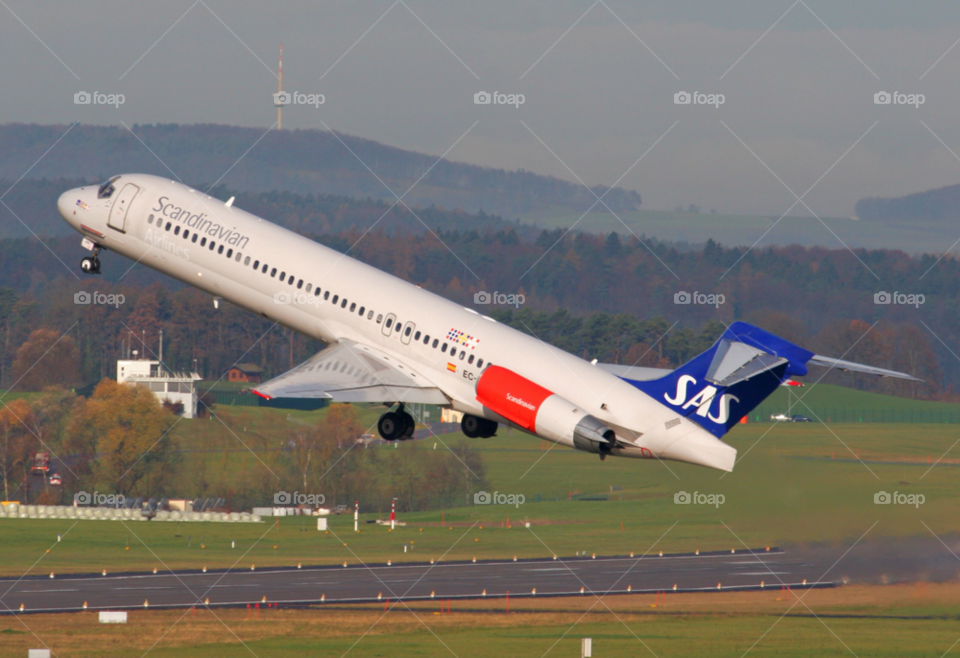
<point x="541" y="411"/>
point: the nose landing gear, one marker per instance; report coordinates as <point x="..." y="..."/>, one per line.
<point x="91" y="264"/>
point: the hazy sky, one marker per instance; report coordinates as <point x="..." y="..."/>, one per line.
<point x="599" y="80"/>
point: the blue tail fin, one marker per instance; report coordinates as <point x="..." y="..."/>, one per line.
<point x="719" y="387"/>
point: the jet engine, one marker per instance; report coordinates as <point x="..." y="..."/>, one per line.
<point x="541" y="411"/>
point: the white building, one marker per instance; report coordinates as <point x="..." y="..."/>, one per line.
<point x="166" y="386"/>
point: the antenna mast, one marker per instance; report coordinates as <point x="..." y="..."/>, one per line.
<point x="280" y="90"/>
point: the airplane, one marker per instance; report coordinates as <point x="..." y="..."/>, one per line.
<point x="391" y="342"/>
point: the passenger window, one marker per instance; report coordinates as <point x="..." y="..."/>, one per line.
<point x="212" y="245"/>
<point x="444" y="348"/>
<point x="203" y="242"/>
<point x="426" y="339"/>
<point x="265" y="266"/>
<point x="273" y="272"/>
<point x="194" y="238"/>
<point x="362" y="311"/>
<point x="389" y="322"/>
<point x="379" y="318"/>
<point x="416" y="336"/>
<point x="150" y="219"/>
<point x="462" y="354"/>
<point x="186" y="234"/>
<point x="435" y="343"/>
<point x="246" y="261"/>
<point x="239" y="256"/>
<point x="353" y="307"/>
<point x="406" y="332"/>
<point x="256" y="265"/>
<point x="370" y="315"/>
<point x="291" y="280"/>
<point x="176" y="231"/>
<point x="299" y="284"/>
<point x="316" y="291"/>
<point x="335" y="298"/>
<point x="470" y="360"/>
<point x="220" y="250"/>
<point x="229" y="252"/>
<point x="343" y="304"/>
<point x="480" y="363"/>
<point x="309" y="287"/>
<point x="453" y="352"/>
<point x="282" y="275"/>
<point x="326" y="295"/>
<point x="167" y="228"/>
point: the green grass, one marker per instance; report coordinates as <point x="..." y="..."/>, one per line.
<point x="785" y="489"/>
<point x="841" y="404"/>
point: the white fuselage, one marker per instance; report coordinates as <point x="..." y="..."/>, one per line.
<point x="142" y="223"/>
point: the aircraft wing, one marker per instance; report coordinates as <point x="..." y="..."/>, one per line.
<point x="353" y="372"/>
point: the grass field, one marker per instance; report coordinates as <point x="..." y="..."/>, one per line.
<point x="897" y="620"/>
<point x="795" y="483"/>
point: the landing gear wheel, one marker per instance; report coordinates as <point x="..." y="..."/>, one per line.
<point x="391" y="426"/>
<point x="409" y="426"/>
<point x="475" y="427"/>
<point x="90" y="265"/>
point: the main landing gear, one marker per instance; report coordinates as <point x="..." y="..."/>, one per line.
<point x="91" y="264"/>
<point x="475" y="427"/>
<point x="396" y="425"/>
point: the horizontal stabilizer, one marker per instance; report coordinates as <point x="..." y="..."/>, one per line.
<point x="827" y="362"/>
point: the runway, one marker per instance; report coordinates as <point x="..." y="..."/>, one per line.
<point x="412" y="582"/>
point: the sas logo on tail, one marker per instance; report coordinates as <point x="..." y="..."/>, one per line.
<point x="701" y="400"/>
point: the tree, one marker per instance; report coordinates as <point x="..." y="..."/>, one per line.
<point x="129" y="428"/>
<point x="15" y="441"/>
<point x="46" y="358"/>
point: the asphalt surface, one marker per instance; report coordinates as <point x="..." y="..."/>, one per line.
<point x="409" y="582"/>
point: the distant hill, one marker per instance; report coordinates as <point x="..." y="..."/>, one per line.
<point x="30" y="208"/>
<point x="301" y="161"/>
<point x="942" y="203"/>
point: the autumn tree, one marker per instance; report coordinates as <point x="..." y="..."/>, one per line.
<point x="46" y="358"/>
<point x="129" y="429"/>
<point x="16" y="443"/>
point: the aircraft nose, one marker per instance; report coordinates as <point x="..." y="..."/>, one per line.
<point x="65" y="206"/>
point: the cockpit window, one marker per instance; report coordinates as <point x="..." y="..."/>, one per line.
<point x="106" y="189"/>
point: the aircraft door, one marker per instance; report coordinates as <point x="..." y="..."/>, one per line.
<point x="407" y="332"/>
<point x="118" y="212"/>
<point x="388" y="322"/>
